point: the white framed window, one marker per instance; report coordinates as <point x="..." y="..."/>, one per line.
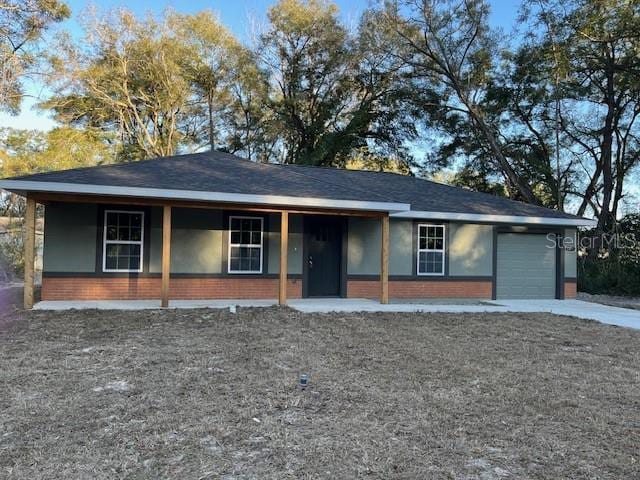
<point x="431" y="249"/>
<point x="245" y="244"/>
<point x="123" y="241"/>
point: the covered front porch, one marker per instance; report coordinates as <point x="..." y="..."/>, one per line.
<point x="167" y="284"/>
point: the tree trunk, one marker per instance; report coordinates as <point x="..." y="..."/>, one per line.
<point x="212" y="139"/>
<point x="590" y="191"/>
<point x="514" y="179"/>
<point x="559" y="195"/>
<point x="606" y="156"/>
<point x="618" y="190"/>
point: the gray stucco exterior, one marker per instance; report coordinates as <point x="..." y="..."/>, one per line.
<point x="70" y="231"/>
<point x="401" y="260"/>
<point x="199" y="238"/>
<point x="571" y="255"/>
<point x="73" y="244"/>
<point x="196" y="241"/>
<point x="470" y="250"/>
<point x="294" y="248"/>
<point x="363" y="247"/>
<point x="364" y="242"/>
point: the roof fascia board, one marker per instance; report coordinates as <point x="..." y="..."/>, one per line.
<point x="273" y="200"/>
<point x="489" y="218"/>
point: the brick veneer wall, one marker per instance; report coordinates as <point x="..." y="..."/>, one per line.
<point x="421" y="289"/>
<point x="147" y="288"/>
<point x="570" y="289"/>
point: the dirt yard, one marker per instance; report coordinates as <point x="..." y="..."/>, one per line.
<point x="612" y="300"/>
<point x="209" y="394"/>
<point x="10" y="301"/>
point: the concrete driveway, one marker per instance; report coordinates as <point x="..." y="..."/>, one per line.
<point x="622" y="317"/>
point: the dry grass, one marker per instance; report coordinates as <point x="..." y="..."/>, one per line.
<point x="208" y="394"/>
<point x="10" y="302"/>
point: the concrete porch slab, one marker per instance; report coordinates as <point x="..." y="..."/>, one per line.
<point x="147" y="304"/>
<point x="575" y="308"/>
<point x="346" y="305"/>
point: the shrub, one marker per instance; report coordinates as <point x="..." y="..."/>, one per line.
<point x="613" y="275"/>
<point x="614" y="270"/>
<point x="12" y="252"/>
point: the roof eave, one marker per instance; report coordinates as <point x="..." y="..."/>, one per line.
<point x="26" y="186"/>
<point x="397" y="210"/>
<point x="496" y="219"/>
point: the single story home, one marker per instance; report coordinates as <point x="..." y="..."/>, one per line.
<point x="215" y="226"/>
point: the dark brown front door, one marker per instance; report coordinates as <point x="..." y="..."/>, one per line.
<point x="323" y="237"/>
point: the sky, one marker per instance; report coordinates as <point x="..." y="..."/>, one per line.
<point x="240" y="16"/>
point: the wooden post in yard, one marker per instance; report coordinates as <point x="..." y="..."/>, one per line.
<point x="284" y="252"/>
<point x="166" y="254"/>
<point x="384" y="263"/>
<point x="29" y="252"/>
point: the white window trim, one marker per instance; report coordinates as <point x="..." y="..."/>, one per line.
<point x="122" y="242"/>
<point x="245" y="272"/>
<point x="443" y="250"/>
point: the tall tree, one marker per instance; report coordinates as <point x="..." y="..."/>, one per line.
<point x="127" y="77"/>
<point x="328" y="98"/>
<point x="22" y="24"/>
<point x="212" y="53"/>
<point x="450" y="52"/>
<point x="24" y="152"/>
<point x="603" y="44"/>
<point x="523" y="99"/>
<point x="253" y="130"/>
<point x="597" y="44"/>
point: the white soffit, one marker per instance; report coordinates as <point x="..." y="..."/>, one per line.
<point x="490" y="218"/>
<point x="159" y="193"/>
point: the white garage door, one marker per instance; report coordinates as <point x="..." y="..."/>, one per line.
<point x="526" y="266"/>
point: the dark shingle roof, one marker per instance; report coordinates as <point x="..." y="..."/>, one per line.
<point x="223" y="172"/>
